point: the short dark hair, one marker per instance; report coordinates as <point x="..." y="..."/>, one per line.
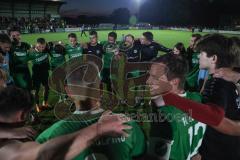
<point x="72" y="35"/>
<point x="14" y="29"/>
<point x="41" y="41"/>
<point x="130" y="35"/>
<point x="112" y="34"/>
<point x="180" y="47"/>
<point x="148" y="36"/>
<point x="197" y="36"/>
<point x="216" y="44"/>
<point x="4" y="38"/>
<point x="58" y="48"/>
<point x="13" y="99"/>
<point x="93" y="33"/>
<point x="177" y="67"/>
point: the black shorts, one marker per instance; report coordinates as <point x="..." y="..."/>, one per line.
<point x="105" y="75"/>
<point x="40" y="78"/>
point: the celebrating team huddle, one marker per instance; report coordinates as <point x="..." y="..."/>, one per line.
<point x="186" y="102"/>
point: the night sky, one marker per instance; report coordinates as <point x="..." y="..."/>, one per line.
<point x="207" y="13"/>
<point x="98" y="7"/>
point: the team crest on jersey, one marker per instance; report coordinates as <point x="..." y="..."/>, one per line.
<point x="56" y="55"/>
<point x="97" y="51"/>
<point x="135" y="51"/>
<point x="151" y="47"/>
<point x="76" y="55"/>
<point x="41" y="58"/>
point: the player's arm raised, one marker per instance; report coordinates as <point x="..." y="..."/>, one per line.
<point x="67" y="146"/>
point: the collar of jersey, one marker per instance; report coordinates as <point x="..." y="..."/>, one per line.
<point x="183" y="94"/>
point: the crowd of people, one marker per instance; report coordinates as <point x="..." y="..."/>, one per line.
<point x="33" y="25"/>
<point x="194" y="97"/>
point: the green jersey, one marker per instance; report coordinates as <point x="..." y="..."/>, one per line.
<point x="56" y="59"/>
<point x="195" y="59"/>
<point x="109" y="49"/>
<point x="39" y="58"/>
<point x="192" y="76"/>
<point x="192" y="79"/>
<point x="20" y="57"/>
<point x="74" y="52"/>
<point x="117" y="148"/>
<point x="184" y="135"/>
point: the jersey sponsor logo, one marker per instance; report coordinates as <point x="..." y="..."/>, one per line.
<point x="56" y="55"/>
<point x="76" y="55"/>
<point x="111" y="50"/>
<point x="20" y="54"/>
<point x="110" y="140"/>
<point x="42" y="58"/>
